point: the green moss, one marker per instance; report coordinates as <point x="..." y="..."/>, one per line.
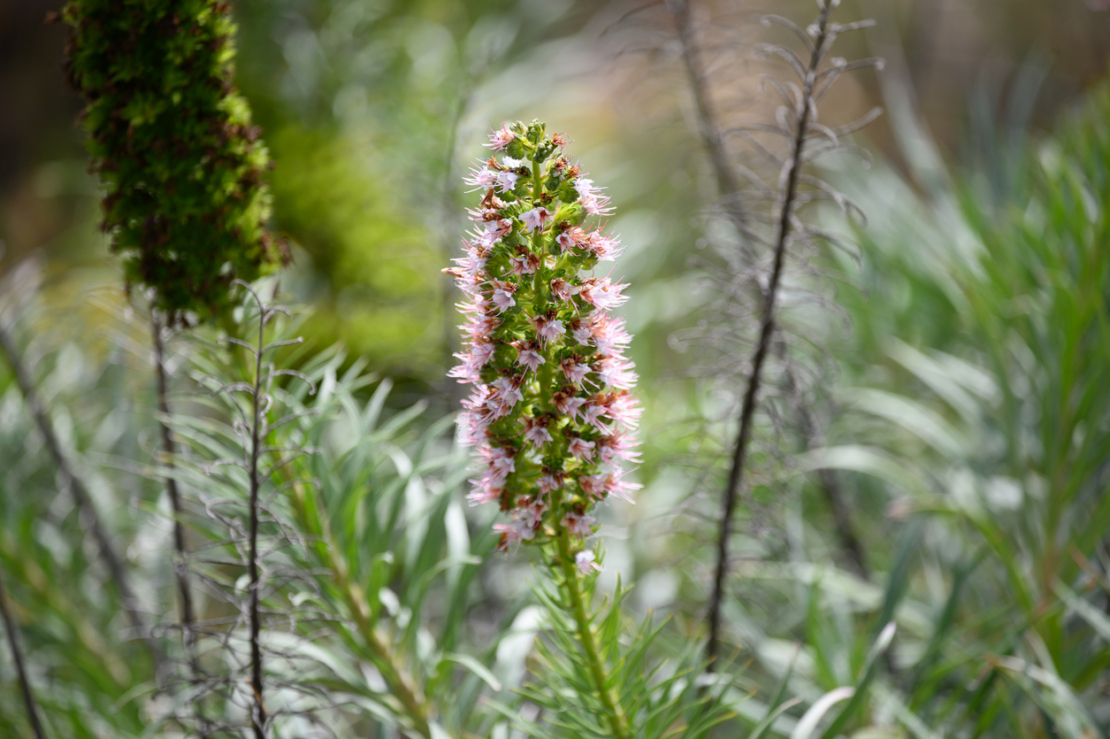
<point x="172" y="141"/>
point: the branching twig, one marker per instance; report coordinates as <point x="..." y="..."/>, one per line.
<point x="81" y="495"/>
<point x="20" y="668"/>
<point x="767" y="328"/>
<point x="731" y="196"/>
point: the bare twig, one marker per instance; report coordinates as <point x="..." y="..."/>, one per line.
<point x="81" y="495"/>
<point x="767" y="328"/>
<point x="258" y="419"/>
<point x="20" y="667"/>
<point x="188" y="615"/>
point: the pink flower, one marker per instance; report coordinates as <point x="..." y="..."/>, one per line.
<point x="616" y="485"/>
<point x="593" y="485"/>
<point x="548" y="328"/>
<point x="472" y="429"/>
<point x="579" y="524"/>
<point x="615" y="372"/>
<point x="593" y="412"/>
<point x="472" y="362"/>
<point x="501" y="138"/>
<point x="482" y="493"/>
<point x="609" y="335"/>
<point x="562" y="289"/>
<point x="625" y="410"/>
<point x="481" y="179"/>
<point x="550" y="481"/>
<point x="602" y="294"/>
<point x="503" y="295"/>
<point x="582" y="330"/>
<point x="536" y="219"/>
<point x="531" y="512"/>
<point x="500" y="460"/>
<point x="512" y="534"/>
<point x="506" y="181"/>
<point x="607" y="248"/>
<point x="581" y="448"/>
<point x="527" y="355"/>
<point x="591" y="198"/>
<point x="586" y="563"/>
<point x="617" y="446"/>
<point x="568" y="404"/>
<point x="492" y="232"/>
<point x="535" y="431"/>
<point x="572" y="237"/>
<point x="574" y="369"/>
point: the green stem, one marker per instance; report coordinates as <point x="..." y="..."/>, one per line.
<point x="401" y="684"/>
<point x="572" y="578"/>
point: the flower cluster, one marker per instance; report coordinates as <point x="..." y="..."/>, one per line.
<point x="550" y="413"/>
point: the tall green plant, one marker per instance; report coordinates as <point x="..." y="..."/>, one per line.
<point x="173" y="143"/>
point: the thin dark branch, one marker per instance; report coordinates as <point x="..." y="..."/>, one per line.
<point x="20" y="667"/>
<point x="767" y="329"/>
<point x="259" y="711"/>
<point x="188" y="616"/>
<point x="88" y="513"/>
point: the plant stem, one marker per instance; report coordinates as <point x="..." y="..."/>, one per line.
<point x="259" y="718"/>
<point x="572" y="581"/>
<point x="20" y="668"/>
<point x="81" y="495"/>
<point x="400" y="682"/>
<point x="168" y="453"/>
<point x="767" y="329"/>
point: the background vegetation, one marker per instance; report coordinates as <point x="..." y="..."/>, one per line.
<point x="935" y="453"/>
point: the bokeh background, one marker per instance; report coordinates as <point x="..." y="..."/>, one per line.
<point x="373" y="110"/>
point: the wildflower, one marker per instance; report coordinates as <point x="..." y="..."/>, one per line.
<point x="550" y="413"/>
<point x="501" y="138"/>
<point x="586" y="563"/>
<point x="536" y="219"/>
<point x="528" y="354"/>
<point x="579" y="524"/>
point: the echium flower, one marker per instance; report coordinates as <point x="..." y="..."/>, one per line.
<point x="550" y="413"/>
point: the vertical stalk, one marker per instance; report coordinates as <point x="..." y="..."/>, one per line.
<point x="259" y="713"/>
<point x="20" y="668"/>
<point x="572" y="583"/>
<point x="169" y="452"/>
<point x="747" y="410"/>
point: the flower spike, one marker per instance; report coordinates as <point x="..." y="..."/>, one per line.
<point x="550" y="411"/>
